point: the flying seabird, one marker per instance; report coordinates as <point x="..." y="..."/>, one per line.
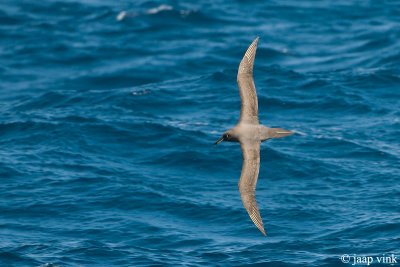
<point x="250" y="133"/>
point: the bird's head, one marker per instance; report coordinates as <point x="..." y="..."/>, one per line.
<point x="228" y="136"/>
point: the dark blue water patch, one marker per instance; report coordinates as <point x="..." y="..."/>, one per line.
<point x="12" y="258"/>
<point x="109" y="111"/>
<point x="7" y="172"/>
<point x="7" y="19"/>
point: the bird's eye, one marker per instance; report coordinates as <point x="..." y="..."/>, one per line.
<point x="227" y="135"/>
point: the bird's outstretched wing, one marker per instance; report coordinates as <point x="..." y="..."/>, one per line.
<point x="248" y="180"/>
<point x="247" y="89"/>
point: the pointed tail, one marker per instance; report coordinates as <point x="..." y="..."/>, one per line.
<point x="279" y="132"/>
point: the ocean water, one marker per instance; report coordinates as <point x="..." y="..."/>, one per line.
<point x="109" y="111"/>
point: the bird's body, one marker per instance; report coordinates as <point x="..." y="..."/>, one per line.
<point x="250" y="133"/>
<point x="253" y="132"/>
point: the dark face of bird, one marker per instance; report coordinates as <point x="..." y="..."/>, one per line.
<point x="227" y="136"/>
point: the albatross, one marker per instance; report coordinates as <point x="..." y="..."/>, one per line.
<point x="250" y="133"/>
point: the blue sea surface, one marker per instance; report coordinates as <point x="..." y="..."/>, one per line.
<point x="109" y="111"/>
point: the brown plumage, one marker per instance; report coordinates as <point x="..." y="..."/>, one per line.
<point x="250" y="134"/>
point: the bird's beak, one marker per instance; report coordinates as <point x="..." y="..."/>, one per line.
<point x="219" y="140"/>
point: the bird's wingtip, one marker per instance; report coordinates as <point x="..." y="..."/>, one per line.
<point x="256" y="40"/>
<point x="262" y="230"/>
